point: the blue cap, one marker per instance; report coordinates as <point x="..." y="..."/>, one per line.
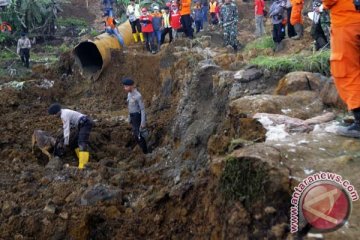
<point x="127" y="82"/>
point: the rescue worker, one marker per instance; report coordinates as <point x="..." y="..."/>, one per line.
<point x="147" y="29"/>
<point x="185" y="11"/>
<point x="157" y="25"/>
<point x="205" y="10"/>
<point x="197" y="15"/>
<point x="214" y="17"/>
<point x="74" y="119"/>
<point x="108" y="7"/>
<point x="229" y="18"/>
<point x="23" y="49"/>
<point x="110" y="28"/>
<point x="345" y="56"/>
<point x="259" y="17"/>
<point x="133" y="14"/>
<point x="175" y="21"/>
<point x="166" y="25"/>
<point x="278" y="18"/>
<point x="317" y="32"/>
<point x="153" y="5"/>
<point x="296" y="18"/>
<point x="137" y="116"/>
<point x="290" y="28"/>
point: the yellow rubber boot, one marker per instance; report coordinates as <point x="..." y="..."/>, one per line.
<point x="83" y="159"/>
<point x="77" y="152"/>
<point x="142" y="37"/>
<point x="135" y="37"/>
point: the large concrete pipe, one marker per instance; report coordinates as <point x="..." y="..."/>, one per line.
<point x="94" y="55"/>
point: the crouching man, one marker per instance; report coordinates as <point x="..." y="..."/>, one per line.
<point x="83" y="123"/>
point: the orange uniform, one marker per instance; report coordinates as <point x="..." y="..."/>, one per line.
<point x="297" y="7"/>
<point x="185" y="7"/>
<point x="345" y="50"/>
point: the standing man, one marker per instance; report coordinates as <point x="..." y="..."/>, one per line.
<point x="23" y="49"/>
<point x="185" y="11"/>
<point x="108" y="7"/>
<point x="166" y="26"/>
<point x="278" y="18"/>
<point x="296" y="18"/>
<point x="137" y="117"/>
<point x="259" y="17"/>
<point x="83" y="123"/>
<point x="229" y="19"/>
<point x="205" y="10"/>
<point x="290" y="28"/>
<point x="345" y="56"/>
<point x="133" y="14"/>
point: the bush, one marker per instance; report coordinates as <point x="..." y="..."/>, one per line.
<point x="243" y="179"/>
<point x="261" y="43"/>
<point x="318" y="62"/>
<point x="72" y="22"/>
<point x="7" y="39"/>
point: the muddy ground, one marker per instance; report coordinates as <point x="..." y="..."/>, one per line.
<point x="180" y="190"/>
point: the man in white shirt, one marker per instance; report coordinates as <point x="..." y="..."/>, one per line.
<point x="83" y="123"/>
<point x="133" y="14"/>
<point x="23" y="49"/>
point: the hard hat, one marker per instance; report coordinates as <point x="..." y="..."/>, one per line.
<point x="156" y="8"/>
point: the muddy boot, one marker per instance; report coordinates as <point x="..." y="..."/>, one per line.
<point x="135" y="36"/>
<point x="354" y="129"/>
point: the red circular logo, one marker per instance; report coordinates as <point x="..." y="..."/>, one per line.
<point x="325" y="206"/>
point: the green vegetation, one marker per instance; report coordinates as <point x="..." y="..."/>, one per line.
<point x="261" y="43"/>
<point x="243" y="180"/>
<point x="7" y="54"/>
<point x="6" y="38"/>
<point x="317" y="62"/>
<point x="72" y="22"/>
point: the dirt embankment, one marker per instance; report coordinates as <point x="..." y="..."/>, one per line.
<point x="171" y="193"/>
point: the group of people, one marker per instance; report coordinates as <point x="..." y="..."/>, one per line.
<point x="83" y="124"/>
<point x="287" y="14"/>
<point x="151" y="26"/>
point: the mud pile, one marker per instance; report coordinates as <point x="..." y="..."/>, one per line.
<point x="173" y="192"/>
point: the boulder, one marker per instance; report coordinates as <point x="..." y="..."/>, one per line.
<point x="297" y="81"/>
<point x="99" y="192"/>
<point x="330" y="96"/>
<point x="301" y="104"/>
<point x="247" y="75"/>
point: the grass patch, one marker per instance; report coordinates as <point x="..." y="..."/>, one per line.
<point x="72" y="22"/>
<point x="318" y="62"/>
<point x="261" y="43"/>
<point x="243" y="179"/>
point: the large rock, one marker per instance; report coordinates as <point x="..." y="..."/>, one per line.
<point x="248" y="75"/>
<point x="100" y="192"/>
<point x="278" y="174"/>
<point x="301" y="104"/>
<point x="225" y="60"/>
<point x="330" y="96"/>
<point x="297" y="81"/>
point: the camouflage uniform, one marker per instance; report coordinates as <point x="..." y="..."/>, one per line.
<point x="325" y="23"/>
<point x="229" y="18"/>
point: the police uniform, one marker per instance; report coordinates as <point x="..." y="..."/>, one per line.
<point x="230" y="17"/>
<point x="137" y="116"/>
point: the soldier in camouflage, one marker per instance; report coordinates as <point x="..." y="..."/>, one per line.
<point x="229" y="16"/>
<point x="325" y="23"/>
